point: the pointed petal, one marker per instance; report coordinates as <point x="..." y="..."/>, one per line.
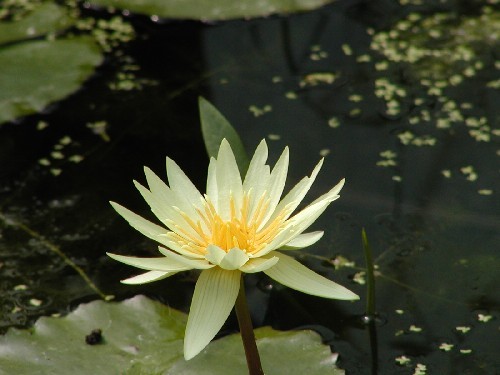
<point x="254" y="172"/>
<point x="302" y="220"/>
<point x="277" y="184"/>
<point x="147" y="277"/>
<point x="157" y="186"/>
<point x="296" y="227"/>
<point x="153" y="264"/>
<point x="167" y="196"/>
<point x="152" y="201"/>
<point x="293" y="274"/>
<point x="303" y="240"/>
<point x="295" y="196"/>
<point x="258" y="264"/>
<point x="229" y="183"/>
<point x="153" y="231"/>
<point x="257" y="177"/>
<point x="333" y="192"/>
<point x="201" y="264"/>
<point x="234" y="259"/>
<point x="214" y="297"/>
<point x="165" y="207"/>
<point x="181" y="184"/>
<point x="258" y="191"/>
<point x="212" y="191"/>
<point x="165" y="211"/>
<point x="147" y="228"/>
<point x="181" y="249"/>
<point x="283" y="237"/>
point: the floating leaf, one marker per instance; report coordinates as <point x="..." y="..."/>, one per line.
<point x="45" y="18"/>
<point x="211" y="10"/>
<point x="37" y="73"/>
<point x="215" y="128"/>
<point x="292" y="352"/>
<point x="141" y="336"/>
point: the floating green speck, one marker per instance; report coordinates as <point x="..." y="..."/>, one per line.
<point x="402" y="360"/>
<point x="484" y="318"/>
<point x="414" y="328"/>
<point x="463" y="329"/>
<point x="446" y="347"/>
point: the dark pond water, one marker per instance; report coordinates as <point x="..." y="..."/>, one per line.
<point x="419" y="149"/>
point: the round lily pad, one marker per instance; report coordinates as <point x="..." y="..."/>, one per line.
<point x="141" y="336"/>
<point x="43" y="19"/>
<point x="211" y="10"/>
<point x="37" y="73"/>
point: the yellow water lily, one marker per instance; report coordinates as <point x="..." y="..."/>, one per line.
<point x="237" y="226"/>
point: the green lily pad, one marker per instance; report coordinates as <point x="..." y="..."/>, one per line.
<point x="43" y="19"/>
<point x="291" y="352"/>
<point x="37" y="73"/>
<point x="211" y="10"/>
<point x="141" y="336"/>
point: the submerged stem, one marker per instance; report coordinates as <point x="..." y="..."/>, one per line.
<point x="370" y="301"/>
<point x="246" y="329"/>
<point x="370" y="275"/>
<point x="52" y="247"/>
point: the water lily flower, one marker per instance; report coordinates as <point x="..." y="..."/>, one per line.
<point x="237" y="226"/>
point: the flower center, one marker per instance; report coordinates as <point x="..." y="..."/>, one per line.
<point x="244" y="230"/>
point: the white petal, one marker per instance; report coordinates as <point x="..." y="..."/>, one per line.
<point x="234" y="259"/>
<point x="228" y="181"/>
<point x="147" y="228"/>
<point x="153" y="264"/>
<point x="333" y="192"/>
<point x="276" y="184"/>
<point x="214" y="297"/>
<point x="295" y="196"/>
<point x="201" y="264"/>
<point x="212" y="191"/>
<point x="308" y="215"/>
<point x="303" y="240"/>
<point x="165" y="211"/>
<point x="254" y="172"/>
<point x="147" y="277"/>
<point x="312" y="212"/>
<point x="165" y="204"/>
<point x="153" y="231"/>
<point x="303" y="219"/>
<point x="296" y="227"/>
<point x="214" y="254"/>
<point x="181" y="249"/>
<point x="257" y="177"/>
<point x="181" y="184"/>
<point x="258" y="264"/>
<point x="167" y="196"/>
<point x="283" y="237"/>
<point x="157" y="186"/>
<point x="153" y="202"/>
<point x="293" y="274"/>
<point x="258" y="191"/>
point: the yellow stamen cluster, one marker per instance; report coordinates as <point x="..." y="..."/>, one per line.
<point x="240" y="231"/>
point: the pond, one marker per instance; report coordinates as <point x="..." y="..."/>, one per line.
<point x="401" y="98"/>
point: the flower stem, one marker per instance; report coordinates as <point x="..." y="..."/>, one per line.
<point x="246" y="329"/>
